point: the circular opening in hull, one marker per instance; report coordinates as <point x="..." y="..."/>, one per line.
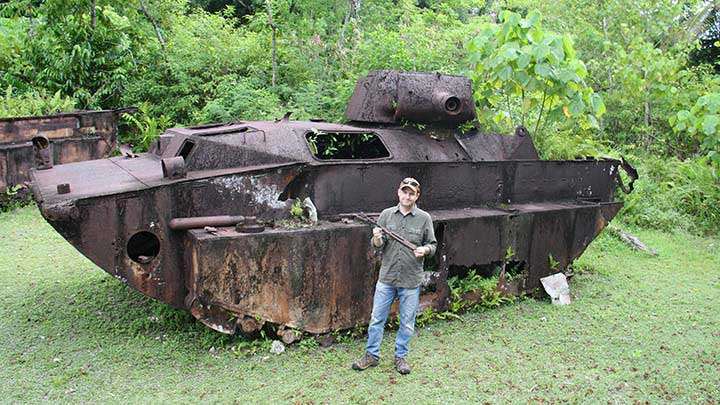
<point x="452" y="105"/>
<point x="41" y="142"/>
<point x="143" y="247"/>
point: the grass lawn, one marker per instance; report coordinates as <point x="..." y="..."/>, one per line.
<point x="641" y="328"/>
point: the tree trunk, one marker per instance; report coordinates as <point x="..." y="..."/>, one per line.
<point x="158" y="33"/>
<point x="354" y="8"/>
<point x="93" y="17"/>
<point x="273" y="27"/>
<point x="606" y="37"/>
<point x="353" y="11"/>
<point x="646" y="113"/>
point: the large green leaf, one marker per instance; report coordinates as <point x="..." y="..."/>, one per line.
<point x="568" y="47"/>
<point x="505" y="73"/>
<point x="598" y="105"/>
<point x="710" y="124"/>
<point x="542" y="70"/>
<point x="577" y="106"/>
<point x="523" y="61"/>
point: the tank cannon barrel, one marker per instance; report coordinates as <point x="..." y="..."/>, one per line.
<point x="180" y="224"/>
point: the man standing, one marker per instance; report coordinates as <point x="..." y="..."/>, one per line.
<point x="401" y="273"/>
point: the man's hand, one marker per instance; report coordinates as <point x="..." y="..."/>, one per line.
<point x="377" y="237"/>
<point x="421" y="251"/>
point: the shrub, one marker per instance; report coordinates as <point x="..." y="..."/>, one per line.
<point x="702" y="122"/>
<point x="204" y="54"/>
<point x="33" y="103"/>
<point x="675" y="194"/>
<point x="559" y="144"/>
<point x="240" y="99"/>
<point x="143" y="128"/>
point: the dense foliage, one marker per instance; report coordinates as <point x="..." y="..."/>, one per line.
<point x="519" y="66"/>
<point x="33" y="103"/>
<point x="635" y="78"/>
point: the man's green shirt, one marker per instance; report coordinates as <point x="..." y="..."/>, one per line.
<point x="400" y="267"/>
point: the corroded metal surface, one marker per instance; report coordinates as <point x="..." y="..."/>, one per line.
<point x="70" y="137"/>
<point x="391" y="97"/>
<point x="202" y="222"/>
<point x="313" y="279"/>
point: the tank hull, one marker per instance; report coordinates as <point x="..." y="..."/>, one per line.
<point x="318" y="278"/>
<point x="322" y="278"/>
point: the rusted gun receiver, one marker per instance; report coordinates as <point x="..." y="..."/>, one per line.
<point x="364" y="218"/>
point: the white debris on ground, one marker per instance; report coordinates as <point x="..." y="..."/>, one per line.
<point x="277" y="347"/>
<point x="557" y="288"/>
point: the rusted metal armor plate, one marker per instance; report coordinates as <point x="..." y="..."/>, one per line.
<point x="321" y="279"/>
<point x="19" y="130"/>
<point x="497" y="147"/>
<point x="356" y="187"/>
<point x="316" y="279"/>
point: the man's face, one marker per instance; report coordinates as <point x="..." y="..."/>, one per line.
<point x="407" y="197"/>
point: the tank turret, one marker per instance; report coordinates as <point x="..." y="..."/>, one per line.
<point x="392" y="97"/>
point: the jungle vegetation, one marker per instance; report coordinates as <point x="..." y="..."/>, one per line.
<point x="636" y="78"/>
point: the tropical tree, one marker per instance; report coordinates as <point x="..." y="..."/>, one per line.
<point x="524" y="75"/>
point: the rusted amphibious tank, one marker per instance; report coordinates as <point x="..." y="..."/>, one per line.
<point x="41" y="141"/>
<point x="199" y="222"/>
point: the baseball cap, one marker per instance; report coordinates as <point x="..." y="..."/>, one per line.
<point x="410" y="183"/>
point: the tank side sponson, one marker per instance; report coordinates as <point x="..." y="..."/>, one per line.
<point x="354" y="187"/>
<point x="321" y="278"/>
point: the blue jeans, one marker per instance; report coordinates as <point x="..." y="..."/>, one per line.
<point x="384" y="296"/>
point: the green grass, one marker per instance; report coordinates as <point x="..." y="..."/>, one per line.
<point x="640" y="328"/>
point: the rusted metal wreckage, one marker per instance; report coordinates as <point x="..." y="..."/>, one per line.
<point x="198" y="221"/>
<point x="42" y="141"/>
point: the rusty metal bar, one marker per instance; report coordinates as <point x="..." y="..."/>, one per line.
<point x="173" y="167"/>
<point x="43" y="151"/>
<point x="181" y="224"/>
<point x="364" y="218"/>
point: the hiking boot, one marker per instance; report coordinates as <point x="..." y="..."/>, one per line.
<point x="368" y="360"/>
<point x="402" y="366"/>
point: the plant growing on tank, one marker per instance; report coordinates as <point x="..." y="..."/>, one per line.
<point x="344" y="145"/>
<point x="483" y="290"/>
<point x="296" y="210"/>
<point x="145" y="128"/>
